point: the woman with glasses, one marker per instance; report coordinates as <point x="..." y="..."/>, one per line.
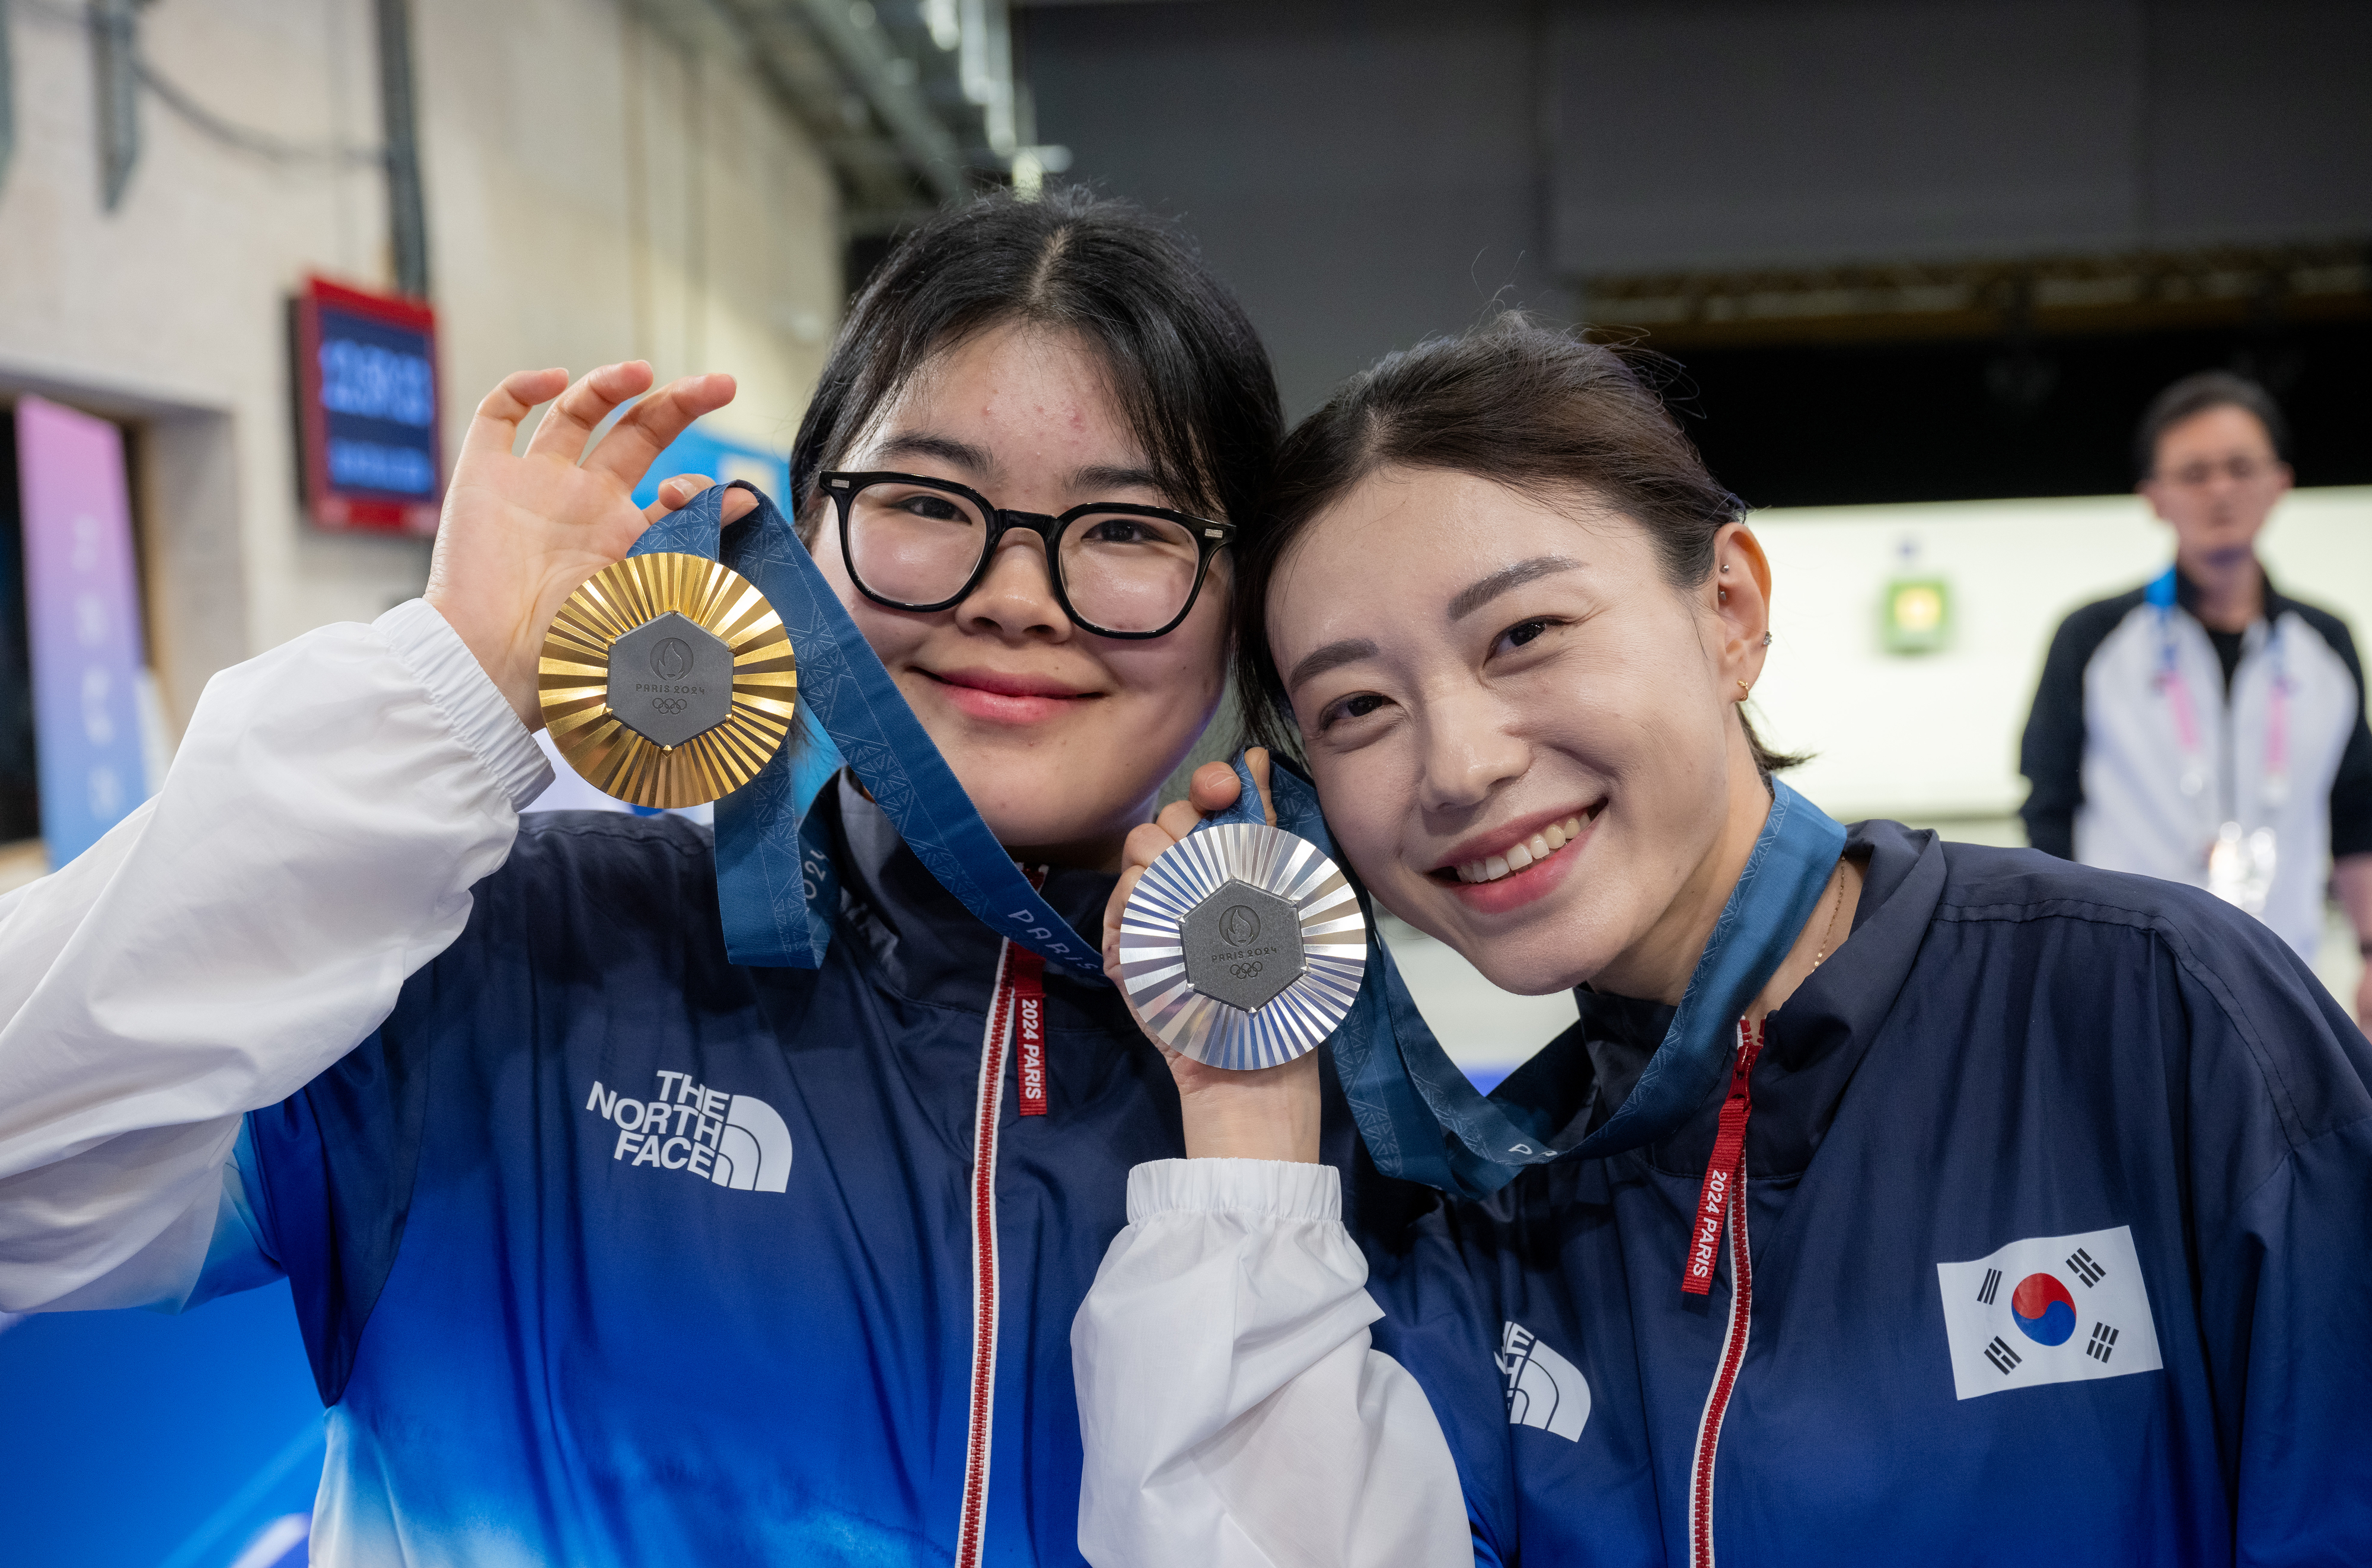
<point x="608" y="1250"/>
<point x="1891" y="1201"/>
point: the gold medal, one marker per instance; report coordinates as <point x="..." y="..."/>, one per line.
<point x="667" y="680"/>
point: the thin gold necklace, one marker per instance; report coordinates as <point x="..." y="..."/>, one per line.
<point x="1836" y="908"/>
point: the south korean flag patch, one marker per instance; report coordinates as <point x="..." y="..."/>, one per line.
<point x="2049" y="1310"/>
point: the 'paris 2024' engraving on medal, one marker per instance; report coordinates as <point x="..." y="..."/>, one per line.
<point x="1243" y="946"/>
<point x="669" y="681"/>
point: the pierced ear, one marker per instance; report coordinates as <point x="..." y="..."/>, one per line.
<point x="1742" y="599"/>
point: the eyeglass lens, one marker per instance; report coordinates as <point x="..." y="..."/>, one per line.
<point x="916" y="545"/>
<point x="2240" y="470"/>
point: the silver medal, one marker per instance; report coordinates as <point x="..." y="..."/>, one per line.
<point x="1242" y="946"/>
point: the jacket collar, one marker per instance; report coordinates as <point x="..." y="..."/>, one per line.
<point x="1814" y="1043"/>
<point x="2277" y="604"/>
<point x="920" y="942"/>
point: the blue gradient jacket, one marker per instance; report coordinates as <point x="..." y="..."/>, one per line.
<point x="2059" y="1204"/>
<point x="609" y="1252"/>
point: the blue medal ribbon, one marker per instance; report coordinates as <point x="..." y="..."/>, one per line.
<point x="774" y="879"/>
<point x="1424" y="1120"/>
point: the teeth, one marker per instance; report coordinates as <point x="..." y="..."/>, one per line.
<point x="1540" y="846"/>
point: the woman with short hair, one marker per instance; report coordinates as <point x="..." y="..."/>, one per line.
<point x="608" y="1249"/>
<point x="1892" y="1200"/>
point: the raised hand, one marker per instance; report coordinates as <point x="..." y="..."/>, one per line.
<point x="522" y="532"/>
<point x="1269" y="1112"/>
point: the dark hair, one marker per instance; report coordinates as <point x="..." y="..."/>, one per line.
<point x="2197" y="394"/>
<point x="1541" y="411"/>
<point x="1187" y="369"/>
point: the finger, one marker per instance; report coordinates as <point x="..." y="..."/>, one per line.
<point x="1256" y="759"/>
<point x="495" y="427"/>
<point x="738" y="505"/>
<point x="584" y="406"/>
<point x="1214" y="787"/>
<point x="1178" y="819"/>
<point x="676" y="494"/>
<point x="647" y="428"/>
<point x="1117" y="904"/>
<point x="1145" y="842"/>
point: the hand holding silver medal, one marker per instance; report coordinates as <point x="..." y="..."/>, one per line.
<point x="1242" y="946"/>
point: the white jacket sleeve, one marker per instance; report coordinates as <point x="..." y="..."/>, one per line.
<point x="315" y="843"/>
<point x="1233" y="1411"/>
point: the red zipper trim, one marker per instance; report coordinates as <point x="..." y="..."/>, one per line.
<point x="1722" y="1170"/>
<point x="1028" y="986"/>
<point x="970" y="1529"/>
<point x="1722" y="1199"/>
<point x="971" y="1526"/>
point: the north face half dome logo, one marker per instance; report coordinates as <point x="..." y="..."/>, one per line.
<point x="1544" y="1390"/>
<point x="732" y="1140"/>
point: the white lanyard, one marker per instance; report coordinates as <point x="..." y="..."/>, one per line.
<point x="2239" y="862"/>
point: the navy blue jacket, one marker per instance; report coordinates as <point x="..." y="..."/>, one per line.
<point x="566" y="1300"/>
<point x="2010" y="1048"/>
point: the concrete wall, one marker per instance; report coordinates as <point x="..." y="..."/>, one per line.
<point x="599" y="187"/>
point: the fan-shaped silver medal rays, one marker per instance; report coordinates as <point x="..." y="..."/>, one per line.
<point x="1242" y="946"/>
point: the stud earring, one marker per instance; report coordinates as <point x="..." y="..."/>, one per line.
<point x="1766" y="639"/>
<point x="1725" y="565"/>
<point x="1744" y="687"/>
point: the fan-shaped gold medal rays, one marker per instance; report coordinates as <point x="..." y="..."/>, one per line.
<point x="574" y="680"/>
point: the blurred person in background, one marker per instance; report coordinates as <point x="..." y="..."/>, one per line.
<point x="2206" y="727"/>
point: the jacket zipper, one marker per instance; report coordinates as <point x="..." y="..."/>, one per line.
<point x="994" y="1046"/>
<point x="969" y="1531"/>
<point x="1721" y="1205"/>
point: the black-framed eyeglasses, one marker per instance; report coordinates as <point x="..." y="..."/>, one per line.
<point x="1119" y="570"/>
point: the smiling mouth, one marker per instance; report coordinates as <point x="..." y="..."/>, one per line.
<point x="1521" y="857"/>
<point x="999" y="685"/>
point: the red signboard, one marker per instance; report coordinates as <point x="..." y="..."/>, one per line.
<point x="366" y="408"/>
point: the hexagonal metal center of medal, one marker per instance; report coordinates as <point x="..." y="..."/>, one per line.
<point x="669" y="681"/>
<point x="1243" y="946"/>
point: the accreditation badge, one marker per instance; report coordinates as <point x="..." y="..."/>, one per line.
<point x="1242" y="946"/>
<point x="667" y="680"/>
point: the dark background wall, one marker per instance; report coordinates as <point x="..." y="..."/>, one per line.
<point x="1724" y="133"/>
<point x="1367" y="175"/>
<point x="1364" y="174"/>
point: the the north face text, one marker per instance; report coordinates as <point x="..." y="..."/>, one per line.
<point x="731" y="1140"/>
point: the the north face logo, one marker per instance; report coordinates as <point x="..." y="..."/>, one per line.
<point x="1544" y="1390"/>
<point x="732" y="1140"/>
